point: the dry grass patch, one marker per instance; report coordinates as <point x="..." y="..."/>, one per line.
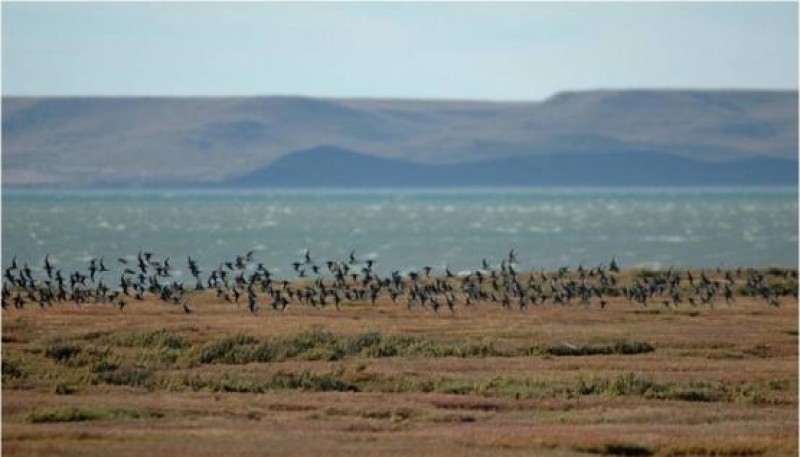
<point x="714" y="449"/>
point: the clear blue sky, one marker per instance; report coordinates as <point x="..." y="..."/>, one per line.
<point x="504" y="51"/>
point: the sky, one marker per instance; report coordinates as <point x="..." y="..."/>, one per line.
<point x="494" y="51"/>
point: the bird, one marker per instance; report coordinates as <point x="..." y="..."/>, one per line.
<point x="186" y="309"/>
<point x="47" y="267"/>
<point x="512" y="256"/>
<point x="421" y="288"/>
<point x="252" y="304"/>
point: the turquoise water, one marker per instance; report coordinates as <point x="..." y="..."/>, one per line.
<point x="406" y="229"/>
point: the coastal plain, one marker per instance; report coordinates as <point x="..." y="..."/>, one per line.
<point x="93" y="380"/>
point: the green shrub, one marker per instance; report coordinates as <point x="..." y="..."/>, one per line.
<point x="152" y="339"/>
<point x="64" y="389"/>
<point x="320" y="345"/>
<point x="616" y="448"/>
<point x="64" y="415"/>
<point x="629" y="384"/>
<point x="310" y="382"/>
<point x="242" y="348"/>
<point x="61" y="352"/>
<point x="75" y="414"/>
<point x="11" y="369"/>
<point x="695" y="394"/>
<point x="304" y="381"/>
<point x="364" y="341"/>
<point x="619" y="347"/>
<point x="134" y="377"/>
<point x="233" y="349"/>
<point x="632" y="347"/>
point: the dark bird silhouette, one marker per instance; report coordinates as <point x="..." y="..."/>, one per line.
<point x="252" y="303"/>
<point x="47" y="267"/>
<point x="613" y="265"/>
<point x="193" y="268"/>
<point x="512" y="256"/>
<point x="142" y="262"/>
<point x="26" y="272"/>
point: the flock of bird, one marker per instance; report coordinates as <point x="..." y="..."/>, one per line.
<point x="335" y="282"/>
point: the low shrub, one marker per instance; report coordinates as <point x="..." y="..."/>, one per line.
<point x="133" y="377"/>
<point x="61" y="352"/>
<point x="153" y="339"/>
<point x="11" y="369"/>
<point x="76" y="414"/>
<point x="619" y="347"/>
<point x="319" y="345"/>
<point x="616" y="448"/>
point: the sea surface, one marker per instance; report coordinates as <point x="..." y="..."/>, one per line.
<point x="406" y="229"/>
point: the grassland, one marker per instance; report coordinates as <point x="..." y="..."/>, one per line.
<point x="384" y="380"/>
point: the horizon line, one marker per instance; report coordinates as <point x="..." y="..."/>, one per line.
<point x="410" y="98"/>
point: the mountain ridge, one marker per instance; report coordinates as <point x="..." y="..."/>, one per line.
<point x="330" y="166"/>
<point x="135" y="141"/>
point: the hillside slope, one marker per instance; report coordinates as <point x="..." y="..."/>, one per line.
<point x="148" y="141"/>
<point x="333" y="167"/>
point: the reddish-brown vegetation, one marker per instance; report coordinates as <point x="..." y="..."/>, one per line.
<point x="383" y="380"/>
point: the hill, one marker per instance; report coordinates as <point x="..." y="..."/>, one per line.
<point x="213" y="141"/>
<point x="333" y="167"/>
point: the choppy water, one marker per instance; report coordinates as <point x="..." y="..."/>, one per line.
<point x="404" y="229"/>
